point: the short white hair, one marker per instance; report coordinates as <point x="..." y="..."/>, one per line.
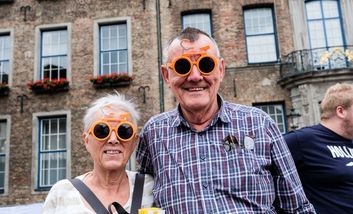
<point x="110" y="102"/>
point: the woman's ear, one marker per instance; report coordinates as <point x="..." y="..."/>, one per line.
<point x="85" y="137"/>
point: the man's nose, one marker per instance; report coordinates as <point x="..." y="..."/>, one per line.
<point x="195" y="74"/>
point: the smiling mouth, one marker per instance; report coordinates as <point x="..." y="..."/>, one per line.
<point x="195" y="89"/>
<point x="112" y="152"/>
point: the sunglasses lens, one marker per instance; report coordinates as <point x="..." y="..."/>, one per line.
<point x="206" y="64"/>
<point x="125" y="131"/>
<point x="101" y="131"/>
<point x="182" y="66"/>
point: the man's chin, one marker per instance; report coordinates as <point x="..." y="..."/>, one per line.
<point x="197" y="105"/>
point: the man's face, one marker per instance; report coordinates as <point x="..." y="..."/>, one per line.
<point x="348" y="123"/>
<point x="194" y="91"/>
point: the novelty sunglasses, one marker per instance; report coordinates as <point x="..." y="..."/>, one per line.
<point x="101" y="129"/>
<point x="182" y="65"/>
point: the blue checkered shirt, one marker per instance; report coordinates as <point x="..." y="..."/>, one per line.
<point x="205" y="172"/>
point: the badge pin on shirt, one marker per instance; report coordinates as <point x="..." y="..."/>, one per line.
<point x="230" y="142"/>
<point x="249" y="143"/>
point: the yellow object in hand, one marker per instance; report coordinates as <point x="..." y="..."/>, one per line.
<point x="152" y="210"/>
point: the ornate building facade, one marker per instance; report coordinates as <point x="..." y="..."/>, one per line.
<point x="56" y="56"/>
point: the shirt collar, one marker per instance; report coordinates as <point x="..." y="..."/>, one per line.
<point x="221" y="115"/>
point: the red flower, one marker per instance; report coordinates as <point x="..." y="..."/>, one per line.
<point x="111" y="78"/>
<point x="48" y="84"/>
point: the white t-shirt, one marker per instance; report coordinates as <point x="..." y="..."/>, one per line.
<point x="63" y="197"/>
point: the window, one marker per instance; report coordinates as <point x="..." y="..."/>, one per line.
<point x="54" y="54"/>
<point x="52" y="144"/>
<point x="276" y="112"/>
<point x="113" y="49"/>
<point x="201" y="20"/>
<point x="5" y="49"/>
<point x="325" y="31"/>
<point x="260" y="35"/>
<point x="4" y="152"/>
<point x="3" y="143"/>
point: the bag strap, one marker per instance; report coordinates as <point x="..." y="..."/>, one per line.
<point x="137" y="195"/>
<point x="90" y="197"/>
<point x="117" y="207"/>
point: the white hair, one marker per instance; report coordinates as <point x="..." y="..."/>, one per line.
<point x="111" y="103"/>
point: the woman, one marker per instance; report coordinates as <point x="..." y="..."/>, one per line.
<point x="110" y="138"/>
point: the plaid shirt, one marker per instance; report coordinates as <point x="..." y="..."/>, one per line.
<point x="238" y="164"/>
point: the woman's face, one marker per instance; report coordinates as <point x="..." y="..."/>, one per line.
<point x="111" y="153"/>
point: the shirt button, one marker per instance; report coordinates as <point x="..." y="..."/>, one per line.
<point x="205" y="185"/>
<point x="203" y="157"/>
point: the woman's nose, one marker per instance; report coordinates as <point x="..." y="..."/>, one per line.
<point x="113" y="139"/>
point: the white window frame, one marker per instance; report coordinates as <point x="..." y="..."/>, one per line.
<point x="318" y="50"/>
<point x="38" y="41"/>
<point x="274" y="116"/>
<point x="96" y="37"/>
<point x="35" y="145"/>
<point x="250" y="35"/>
<point x="9" y="32"/>
<point x="193" y="15"/>
<point x="7" y="118"/>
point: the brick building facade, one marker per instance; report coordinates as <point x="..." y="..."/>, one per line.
<point x="260" y="41"/>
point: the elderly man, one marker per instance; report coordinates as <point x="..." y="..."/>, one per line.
<point x="211" y="156"/>
<point x="323" y="153"/>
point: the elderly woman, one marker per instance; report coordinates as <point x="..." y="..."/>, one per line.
<point x="110" y="137"/>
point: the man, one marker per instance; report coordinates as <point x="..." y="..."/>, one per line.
<point x="323" y="153"/>
<point x="211" y="156"/>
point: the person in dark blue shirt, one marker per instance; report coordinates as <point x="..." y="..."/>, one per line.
<point x="323" y="153"/>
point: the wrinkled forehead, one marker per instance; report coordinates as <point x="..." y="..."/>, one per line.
<point x="179" y="47"/>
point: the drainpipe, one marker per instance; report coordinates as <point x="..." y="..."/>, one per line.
<point x="159" y="45"/>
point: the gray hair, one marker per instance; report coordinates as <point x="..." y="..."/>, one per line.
<point x="191" y="34"/>
<point x="110" y="102"/>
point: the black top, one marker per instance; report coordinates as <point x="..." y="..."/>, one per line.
<point x="324" y="162"/>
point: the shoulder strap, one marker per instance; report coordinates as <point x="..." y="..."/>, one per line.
<point x="117" y="207"/>
<point x="90" y="197"/>
<point x="137" y="195"/>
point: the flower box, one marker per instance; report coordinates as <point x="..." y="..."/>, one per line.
<point x="4" y="89"/>
<point x="111" y="80"/>
<point x="48" y="86"/>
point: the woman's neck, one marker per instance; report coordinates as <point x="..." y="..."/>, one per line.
<point x="108" y="180"/>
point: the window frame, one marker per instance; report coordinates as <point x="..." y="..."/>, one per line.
<point x="197" y="12"/>
<point x="97" y="41"/>
<point x="43" y="57"/>
<point x="276" y="103"/>
<point x="275" y="33"/>
<point x="36" y="188"/>
<point x="10" y="33"/>
<point x="38" y="48"/>
<point x="7" y="119"/>
<point x="323" y="20"/>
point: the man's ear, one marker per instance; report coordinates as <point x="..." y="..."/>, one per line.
<point x="165" y="73"/>
<point x="221" y="68"/>
<point x="340" y="112"/>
